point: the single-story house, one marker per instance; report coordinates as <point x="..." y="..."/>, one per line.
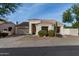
<point x="35" y="25"/>
<point x="7" y="27"/>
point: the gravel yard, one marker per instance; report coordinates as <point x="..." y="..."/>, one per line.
<point x="35" y="41"/>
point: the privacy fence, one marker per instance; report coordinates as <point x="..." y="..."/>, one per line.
<point x="69" y="31"/>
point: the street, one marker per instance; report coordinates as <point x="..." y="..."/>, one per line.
<point x="41" y="51"/>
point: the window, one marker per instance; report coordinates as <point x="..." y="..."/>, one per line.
<point x="5" y="29"/>
<point x="45" y="28"/>
<point x="10" y="28"/>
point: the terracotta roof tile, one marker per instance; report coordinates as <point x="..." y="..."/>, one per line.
<point x="48" y="21"/>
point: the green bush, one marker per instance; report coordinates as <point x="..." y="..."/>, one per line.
<point x="42" y="33"/>
<point x="51" y="33"/>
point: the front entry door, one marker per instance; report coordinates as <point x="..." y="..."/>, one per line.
<point x="58" y="30"/>
<point x="33" y="29"/>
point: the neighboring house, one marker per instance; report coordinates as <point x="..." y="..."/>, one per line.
<point x="7" y="27"/>
<point x="1" y="22"/>
<point x="22" y="28"/>
<point x="36" y="25"/>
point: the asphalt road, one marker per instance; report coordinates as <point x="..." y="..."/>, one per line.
<point x="41" y="51"/>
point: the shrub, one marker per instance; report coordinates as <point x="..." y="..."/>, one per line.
<point x="51" y="33"/>
<point x="3" y="34"/>
<point x="42" y="33"/>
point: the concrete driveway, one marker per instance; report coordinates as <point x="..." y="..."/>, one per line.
<point x="35" y="41"/>
<point x="10" y="42"/>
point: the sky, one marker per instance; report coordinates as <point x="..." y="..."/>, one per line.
<point x="39" y="11"/>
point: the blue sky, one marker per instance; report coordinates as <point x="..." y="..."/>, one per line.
<point x="39" y="11"/>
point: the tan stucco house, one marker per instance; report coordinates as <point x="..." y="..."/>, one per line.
<point x="35" y="25"/>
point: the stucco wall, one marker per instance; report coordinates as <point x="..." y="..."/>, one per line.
<point x="38" y="27"/>
<point x="30" y="25"/>
<point x="69" y="31"/>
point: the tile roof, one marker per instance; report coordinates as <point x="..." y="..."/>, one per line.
<point x="23" y="24"/>
<point x="48" y="21"/>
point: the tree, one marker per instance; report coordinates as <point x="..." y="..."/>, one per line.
<point x="7" y="8"/>
<point x="67" y="17"/>
<point x="75" y="11"/>
<point x="3" y="20"/>
<point x="76" y="24"/>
